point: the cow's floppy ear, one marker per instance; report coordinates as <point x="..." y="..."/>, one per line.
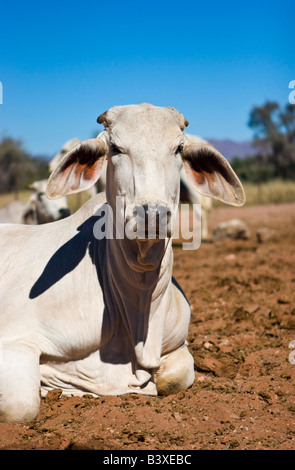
<point x="211" y="174"/>
<point x="78" y="170"/>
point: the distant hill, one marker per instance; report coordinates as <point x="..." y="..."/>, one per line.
<point x="230" y="148"/>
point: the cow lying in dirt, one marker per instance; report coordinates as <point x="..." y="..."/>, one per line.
<point x="103" y="315"/>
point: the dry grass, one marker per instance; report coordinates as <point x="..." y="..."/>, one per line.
<point x="22" y="196"/>
<point x="75" y="201"/>
<point x="273" y="192"/>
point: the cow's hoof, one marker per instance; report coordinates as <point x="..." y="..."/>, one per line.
<point x="169" y="386"/>
<point x="176" y="372"/>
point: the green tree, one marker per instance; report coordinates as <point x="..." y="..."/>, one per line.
<point x="253" y="169"/>
<point x="274" y="137"/>
<point x="17" y="168"/>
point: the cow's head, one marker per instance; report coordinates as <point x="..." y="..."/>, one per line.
<point x="40" y="210"/>
<point x="145" y="147"/>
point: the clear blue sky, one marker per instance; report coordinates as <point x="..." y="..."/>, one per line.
<point x="63" y="63"/>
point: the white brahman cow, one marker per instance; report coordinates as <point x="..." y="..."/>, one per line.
<point x="38" y="210"/>
<point x="102" y="315"/>
<point x="41" y="210"/>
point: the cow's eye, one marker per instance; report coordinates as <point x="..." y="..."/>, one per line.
<point x="40" y="195"/>
<point x="115" y="150"/>
<point x="179" y="149"/>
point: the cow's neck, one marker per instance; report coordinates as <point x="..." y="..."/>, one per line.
<point x="140" y="293"/>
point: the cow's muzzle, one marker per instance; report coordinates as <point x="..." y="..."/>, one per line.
<point x="64" y="212"/>
<point x="150" y="221"/>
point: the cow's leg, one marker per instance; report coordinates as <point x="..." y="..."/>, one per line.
<point x="19" y="383"/>
<point x="176" y="372"/>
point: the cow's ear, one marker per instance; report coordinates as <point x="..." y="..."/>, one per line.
<point x="211" y="174"/>
<point x="78" y="170"/>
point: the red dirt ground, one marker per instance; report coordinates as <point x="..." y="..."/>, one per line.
<point x="242" y="294"/>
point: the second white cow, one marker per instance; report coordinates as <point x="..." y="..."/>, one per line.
<point x="41" y="210"/>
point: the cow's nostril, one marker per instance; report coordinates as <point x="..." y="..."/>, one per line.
<point x="152" y="219"/>
<point x="146" y="210"/>
<point x="141" y="213"/>
<point x="64" y="212"/>
<point x="163" y="214"/>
